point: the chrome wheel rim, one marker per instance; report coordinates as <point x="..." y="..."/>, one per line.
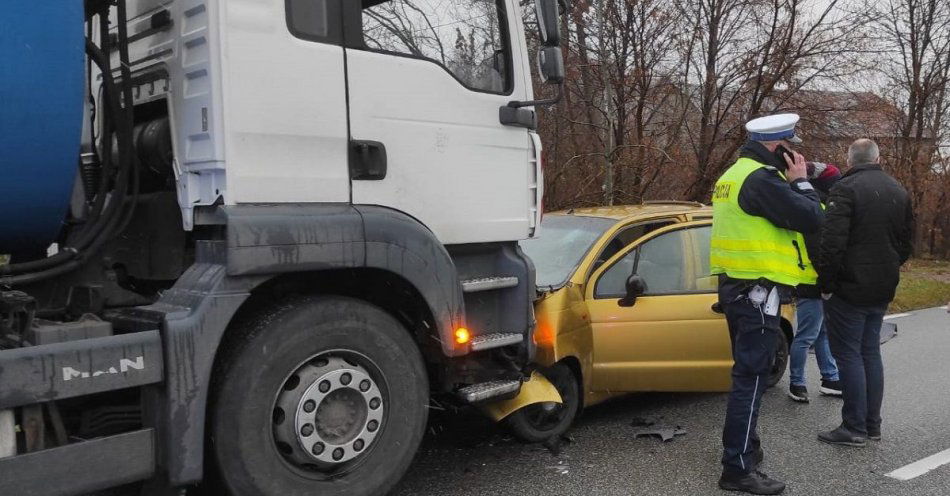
<point x="328" y="413"/>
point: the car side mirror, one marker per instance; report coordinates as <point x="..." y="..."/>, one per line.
<point x="635" y="287"/>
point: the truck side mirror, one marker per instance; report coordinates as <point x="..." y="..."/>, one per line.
<point x="635" y="287"/>
<point x="548" y="22"/>
<point x="565" y="6"/>
<point x="551" y="65"/>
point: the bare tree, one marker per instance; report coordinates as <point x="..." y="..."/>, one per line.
<point x="658" y="92"/>
<point x="622" y="52"/>
<point x="747" y="57"/>
<point x="915" y="38"/>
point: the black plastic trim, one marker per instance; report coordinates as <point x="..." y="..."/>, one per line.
<point x="194" y="315"/>
<point x="367" y="160"/>
<point x="82" y="467"/>
<point x="49" y="372"/>
<point x="275" y="239"/>
<point x="352" y="25"/>
<point x="518" y="117"/>
<point x="334" y="23"/>
<point x="398" y="243"/>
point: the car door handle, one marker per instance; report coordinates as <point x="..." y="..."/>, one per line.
<point x="716" y="307"/>
<point x="367" y="160"/>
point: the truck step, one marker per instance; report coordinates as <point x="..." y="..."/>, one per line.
<point x="487" y="390"/>
<point x="495" y="340"/>
<point x="488" y="283"/>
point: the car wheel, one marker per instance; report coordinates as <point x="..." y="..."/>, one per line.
<point x="780" y="365"/>
<point x="541" y="421"/>
<point x="318" y="395"/>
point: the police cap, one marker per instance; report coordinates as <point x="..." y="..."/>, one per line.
<point x="776" y="127"/>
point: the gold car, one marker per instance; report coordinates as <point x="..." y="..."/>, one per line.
<point x="596" y="339"/>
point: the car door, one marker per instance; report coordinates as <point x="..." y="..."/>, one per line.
<point x="670" y="339"/>
<point x="707" y="293"/>
<point x="426" y="80"/>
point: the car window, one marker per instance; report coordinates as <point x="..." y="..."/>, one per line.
<point x="564" y="241"/>
<point x="623" y="239"/>
<point x="661" y="262"/>
<point x="466" y="37"/>
<point x="705" y="281"/>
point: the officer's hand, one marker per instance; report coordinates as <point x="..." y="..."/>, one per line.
<point x="796" y="167"/>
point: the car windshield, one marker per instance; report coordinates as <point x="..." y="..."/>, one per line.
<point x="563" y="242"/>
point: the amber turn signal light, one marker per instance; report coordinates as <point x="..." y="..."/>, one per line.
<point x="462" y="336"/>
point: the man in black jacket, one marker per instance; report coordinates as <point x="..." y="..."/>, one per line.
<point x="867" y="236"/>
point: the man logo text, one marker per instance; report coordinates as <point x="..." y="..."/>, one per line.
<point x="125" y="364"/>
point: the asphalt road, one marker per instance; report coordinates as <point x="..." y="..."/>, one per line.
<point x="464" y="454"/>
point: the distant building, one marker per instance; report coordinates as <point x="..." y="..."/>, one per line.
<point x="832" y="120"/>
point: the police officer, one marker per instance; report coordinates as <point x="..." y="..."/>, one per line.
<point x="761" y="204"/>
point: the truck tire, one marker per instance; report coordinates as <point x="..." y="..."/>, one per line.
<point x="542" y="421"/>
<point x="318" y="395"/>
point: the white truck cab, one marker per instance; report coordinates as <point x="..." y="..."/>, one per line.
<point x="392" y="103"/>
<point x="293" y="222"/>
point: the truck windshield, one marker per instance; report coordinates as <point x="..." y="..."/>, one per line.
<point x="564" y="241"/>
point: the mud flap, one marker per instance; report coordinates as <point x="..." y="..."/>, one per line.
<point x="535" y="390"/>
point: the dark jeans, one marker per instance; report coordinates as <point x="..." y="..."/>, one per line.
<point x="754" y="337"/>
<point x="855" y="336"/>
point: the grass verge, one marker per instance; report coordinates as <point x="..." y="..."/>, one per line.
<point x="924" y="284"/>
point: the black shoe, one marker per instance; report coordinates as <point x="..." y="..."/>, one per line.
<point x="830" y="388"/>
<point x="754" y="482"/>
<point x="874" y="434"/>
<point x="842" y="437"/>
<point x="798" y="393"/>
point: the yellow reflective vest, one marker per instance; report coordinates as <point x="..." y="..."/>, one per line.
<point x="809" y="276"/>
<point x="747" y="246"/>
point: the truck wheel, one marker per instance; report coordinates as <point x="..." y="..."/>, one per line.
<point x="542" y="421"/>
<point x="319" y="395"/>
<point x="781" y="360"/>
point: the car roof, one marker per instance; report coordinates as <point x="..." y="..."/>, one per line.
<point x="649" y="208"/>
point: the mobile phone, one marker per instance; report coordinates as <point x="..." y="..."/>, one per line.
<point x="780" y="153"/>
